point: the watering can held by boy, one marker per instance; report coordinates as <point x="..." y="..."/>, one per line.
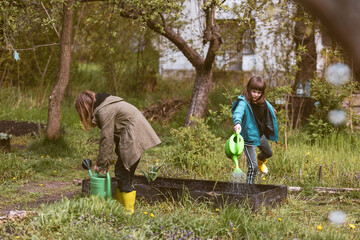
<point x="233" y="148"/>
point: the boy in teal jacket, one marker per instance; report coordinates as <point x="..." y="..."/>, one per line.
<point x="255" y="119"/>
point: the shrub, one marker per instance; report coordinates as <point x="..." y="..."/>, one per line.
<point x="196" y="147"/>
<point x="328" y="97"/>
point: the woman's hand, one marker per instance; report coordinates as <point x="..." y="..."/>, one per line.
<point x="237" y="128"/>
<point x="98" y="169"/>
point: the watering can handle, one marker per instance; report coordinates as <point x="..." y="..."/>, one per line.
<point x="108" y="185"/>
<point x="237" y="140"/>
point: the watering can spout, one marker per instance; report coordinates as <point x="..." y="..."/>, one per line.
<point x="90" y="173"/>
<point x="234" y="158"/>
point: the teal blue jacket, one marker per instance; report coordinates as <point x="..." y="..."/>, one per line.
<point x="243" y="114"/>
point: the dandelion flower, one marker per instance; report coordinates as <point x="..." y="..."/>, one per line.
<point x="217" y="210"/>
<point x="234" y="229"/>
<point x="54" y="171"/>
<point x="42" y="156"/>
<point x="14" y="178"/>
<point x="279" y="219"/>
<point x="308" y="153"/>
<point x="264" y="178"/>
<point x="145" y="212"/>
<point x="156" y="160"/>
<point x="41" y="185"/>
<point x="319" y="227"/>
<point x="352" y="226"/>
<point x="152" y="215"/>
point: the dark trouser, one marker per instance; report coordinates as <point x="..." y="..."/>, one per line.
<point x="250" y="152"/>
<point x="124" y="177"/>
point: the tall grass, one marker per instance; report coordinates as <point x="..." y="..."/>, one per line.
<point x="333" y="162"/>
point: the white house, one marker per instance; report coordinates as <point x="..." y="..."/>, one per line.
<point x="262" y="52"/>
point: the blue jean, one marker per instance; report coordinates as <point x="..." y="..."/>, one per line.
<point x="250" y="152"/>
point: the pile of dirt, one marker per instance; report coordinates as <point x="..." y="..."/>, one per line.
<point x="21" y="128"/>
<point x="165" y="110"/>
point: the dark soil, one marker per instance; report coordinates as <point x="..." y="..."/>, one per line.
<point x="21" y="128"/>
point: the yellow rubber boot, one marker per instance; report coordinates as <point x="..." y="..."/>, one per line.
<point x="128" y="201"/>
<point x="261" y="165"/>
<point x="118" y="196"/>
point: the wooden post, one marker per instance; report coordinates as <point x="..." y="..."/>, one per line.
<point x="320" y="170"/>
<point x="5" y="145"/>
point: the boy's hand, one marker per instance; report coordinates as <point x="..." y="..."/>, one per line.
<point x="237" y="128"/>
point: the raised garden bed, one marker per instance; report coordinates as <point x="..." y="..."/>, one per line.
<point x="219" y="193"/>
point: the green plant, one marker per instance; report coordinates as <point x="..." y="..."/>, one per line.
<point x="328" y="97"/>
<point x="196" y="147"/>
<point x="318" y="128"/>
<point x="152" y="173"/>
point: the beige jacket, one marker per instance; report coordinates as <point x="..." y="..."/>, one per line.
<point x="115" y="117"/>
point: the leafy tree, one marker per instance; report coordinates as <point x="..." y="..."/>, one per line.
<point x="165" y="18"/>
<point x="128" y="59"/>
<point x="27" y="27"/>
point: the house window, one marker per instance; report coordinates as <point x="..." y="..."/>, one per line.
<point x="249" y="42"/>
<point x="239" y="40"/>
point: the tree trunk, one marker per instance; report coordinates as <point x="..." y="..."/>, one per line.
<point x="342" y="20"/>
<point x="305" y="36"/>
<point x="57" y="94"/>
<point x="200" y="95"/>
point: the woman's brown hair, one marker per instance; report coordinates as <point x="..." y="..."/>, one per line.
<point x="84" y="106"/>
<point x="255" y="83"/>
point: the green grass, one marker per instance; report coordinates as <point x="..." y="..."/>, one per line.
<point x="297" y="218"/>
<point x="94" y="218"/>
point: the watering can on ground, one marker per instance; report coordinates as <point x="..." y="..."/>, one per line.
<point x="233" y="148"/>
<point x="100" y="184"/>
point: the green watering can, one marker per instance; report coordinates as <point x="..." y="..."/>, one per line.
<point x="233" y="148"/>
<point x="100" y="184"/>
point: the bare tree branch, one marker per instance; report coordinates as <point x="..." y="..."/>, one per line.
<point x="34" y="47"/>
<point x="195" y="58"/>
<point x="53" y="25"/>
